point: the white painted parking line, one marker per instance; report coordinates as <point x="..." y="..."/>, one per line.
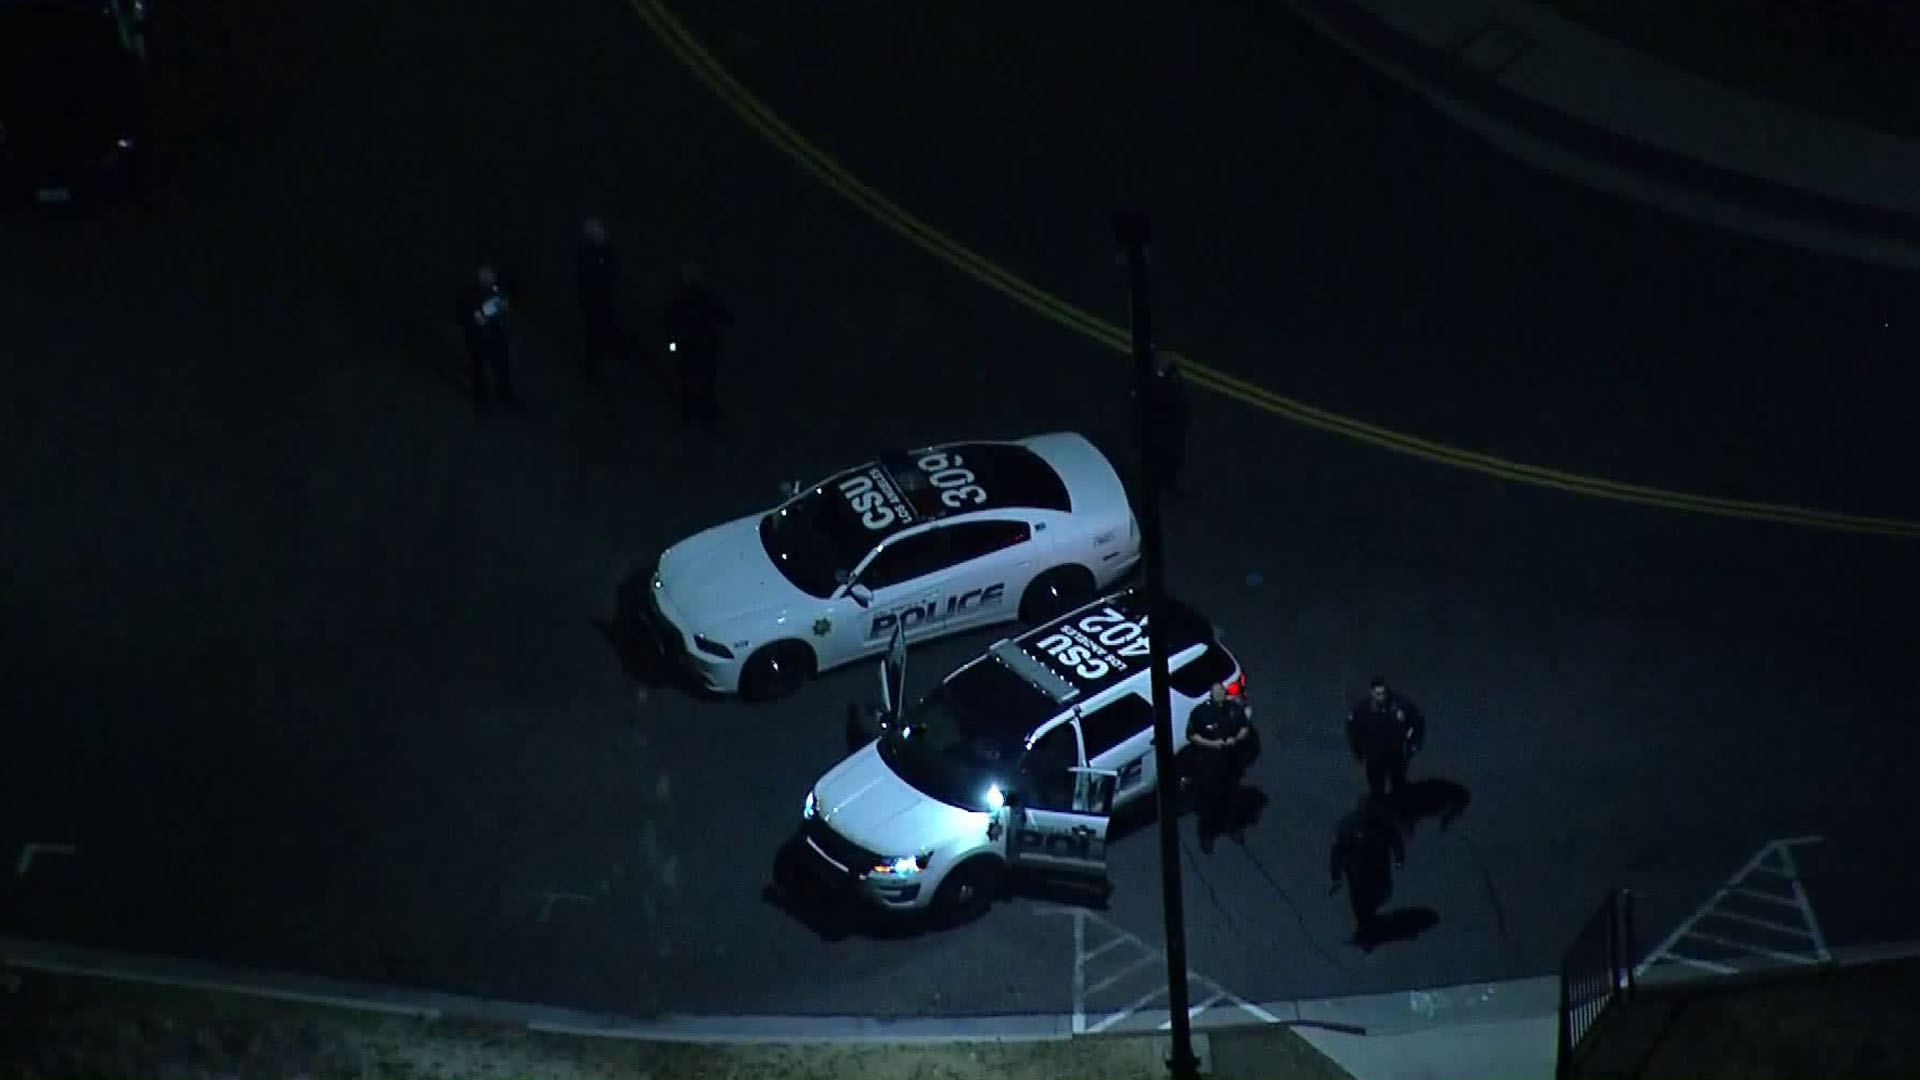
<point x="1751" y="949"/>
<point x="1135" y="1006"/>
<point x="1704" y="965"/>
<point x="548" y="899"/>
<point x="1763" y="924"/>
<point x="1806" y="908"/>
<point x="1755" y="894"/>
<point x="1776" y="860"/>
<point x="1127" y="969"/>
<point x="29" y="851"/>
<point x="1194" y="1012"/>
<point x="1140" y="965"/>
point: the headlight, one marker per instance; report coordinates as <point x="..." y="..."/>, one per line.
<point x="809" y="808"/>
<point x="995" y="798"/>
<point x="712" y="647"/>
<point x="903" y="867"/>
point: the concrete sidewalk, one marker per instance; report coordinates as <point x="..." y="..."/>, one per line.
<point x="1566" y="99"/>
<point x="1484" y="1029"/>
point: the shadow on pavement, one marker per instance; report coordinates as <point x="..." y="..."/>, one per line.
<point x="1399" y="924"/>
<point x="1432" y="798"/>
<point x="640" y="656"/>
<point x="834" y="915"/>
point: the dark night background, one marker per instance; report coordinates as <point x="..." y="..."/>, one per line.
<point x="300" y="654"/>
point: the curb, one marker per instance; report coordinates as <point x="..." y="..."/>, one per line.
<point x="1609" y="160"/>
<point x="1397" y="1013"/>
<point x="1371" y="1014"/>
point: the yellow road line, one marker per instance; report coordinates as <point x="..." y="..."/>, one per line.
<point x="824" y="168"/>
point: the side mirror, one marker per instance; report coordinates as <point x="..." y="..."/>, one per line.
<point x="861" y="594"/>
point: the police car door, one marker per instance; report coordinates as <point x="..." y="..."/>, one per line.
<point x="993" y="561"/>
<point x="1058" y="820"/>
<point x="893" y="677"/>
<point x="897" y="593"/>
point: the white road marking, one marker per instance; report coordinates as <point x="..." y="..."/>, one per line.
<point x="1755" y="894"/>
<point x="28" y="851"/>
<point x="1806" y="908"/>
<point x="1782" y="865"/>
<point x="1124" y="971"/>
<point x="1755" y="950"/>
<point x="1704" y="965"/>
<point x="548" y="899"/>
<point x="1763" y="924"/>
<point x="1142" y="956"/>
<point x="1195" y="1011"/>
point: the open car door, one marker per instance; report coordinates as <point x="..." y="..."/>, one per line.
<point x="1067" y="841"/>
<point x="893" y="676"/>
<point x="868" y="721"/>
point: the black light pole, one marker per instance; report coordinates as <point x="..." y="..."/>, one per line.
<point x="1130" y="229"/>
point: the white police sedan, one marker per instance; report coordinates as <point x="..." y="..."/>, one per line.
<point x="932" y="541"/>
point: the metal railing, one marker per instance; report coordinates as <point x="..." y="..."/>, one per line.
<point x="1596" y="971"/>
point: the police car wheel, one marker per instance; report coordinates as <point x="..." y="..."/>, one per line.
<point x="1056" y="592"/>
<point x="775" y="671"/>
<point x="967" y="893"/>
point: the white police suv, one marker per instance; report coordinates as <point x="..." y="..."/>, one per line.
<point x="929" y="542"/>
<point x="1013" y="763"/>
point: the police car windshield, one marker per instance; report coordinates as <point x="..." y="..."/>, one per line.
<point x="952" y="748"/>
<point x="814" y="540"/>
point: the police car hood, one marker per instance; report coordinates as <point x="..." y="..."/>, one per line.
<point x="715" y="577"/>
<point x="867" y="802"/>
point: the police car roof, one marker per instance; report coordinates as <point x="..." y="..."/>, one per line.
<point x="1012" y="476"/>
<point x="1185" y="626"/>
<point x="1031" y="687"/>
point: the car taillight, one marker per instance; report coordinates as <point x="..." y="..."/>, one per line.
<point x="1238" y="684"/>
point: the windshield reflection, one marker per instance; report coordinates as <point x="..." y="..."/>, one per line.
<point x="814" y="542"/>
<point x="950" y="752"/>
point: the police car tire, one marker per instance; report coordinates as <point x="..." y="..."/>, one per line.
<point x="776" y="670"/>
<point x="1056" y="592"/>
<point x="983" y="874"/>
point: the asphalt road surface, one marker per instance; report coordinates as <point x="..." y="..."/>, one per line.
<point x="303" y="659"/>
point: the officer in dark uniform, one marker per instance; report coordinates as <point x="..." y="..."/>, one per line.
<point x="483" y="311"/>
<point x="1362" y="842"/>
<point x="1385" y="730"/>
<point x="1219" y="730"/>
<point x="596" y="273"/>
<point x="695" y="317"/>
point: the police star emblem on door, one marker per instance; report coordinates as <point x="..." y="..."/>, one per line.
<point x="822" y="626"/>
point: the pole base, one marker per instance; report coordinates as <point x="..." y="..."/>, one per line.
<point x="1200" y="1064"/>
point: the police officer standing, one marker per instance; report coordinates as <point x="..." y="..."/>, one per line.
<point x="1362" y="842"/>
<point x="596" y="273"/>
<point x="1218" y="732"/>
<point x="483" y="311"/>
<point x="1385" y="730"/>
<point x="695" y="317"/>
